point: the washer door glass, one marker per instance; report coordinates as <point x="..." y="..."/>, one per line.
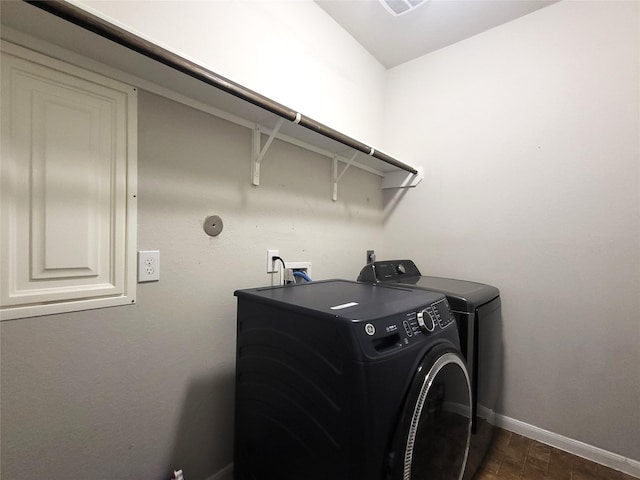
<point x="436" y="427"/>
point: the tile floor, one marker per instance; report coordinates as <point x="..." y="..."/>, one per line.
<point x="515" y="457"/>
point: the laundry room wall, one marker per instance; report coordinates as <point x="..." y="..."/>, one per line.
<point x="292" y="52"/>
<point x="529" y="135"/>
<point x="133" y="392"/>
<point x="136" y="391"/>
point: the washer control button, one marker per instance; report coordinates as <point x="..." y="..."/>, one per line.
<point x="407" y="329"/>
<point x="425" y="320"/>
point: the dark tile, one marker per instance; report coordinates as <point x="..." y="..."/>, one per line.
<point x="491" y="463"/>
<point x="511" y="470"/>
<point x="559" y="473"/>
<point x="494" y="453"/>
<point x="532" y="473"/>
<point x="537" y="464"/>
<point x="606" y="473"/>
<point x="500" y="439"/>
<point x="559" y="460"/>
<point x="539" y="456"/>
<point x="518" y="442"/>
<point x="517" y="449"/>
<point x="514" y="457"/>
<point x="584" y="465"/>
<point x="482" y="475"/>
<point x="584" y="469"/>
<point x="540" y="450"/>
<point x="582" y="475"/>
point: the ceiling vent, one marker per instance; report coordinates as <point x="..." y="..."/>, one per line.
<point x="400" y="7"/>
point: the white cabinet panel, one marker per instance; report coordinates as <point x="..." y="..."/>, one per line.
<point x="68" y="187"/>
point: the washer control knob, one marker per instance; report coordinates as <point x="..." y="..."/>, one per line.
<point x="425" y="321"/>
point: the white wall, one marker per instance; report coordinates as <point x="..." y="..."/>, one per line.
<point x="134" y="391"/>
<point x="530" y="138"/>
<point x="292" y="52"/>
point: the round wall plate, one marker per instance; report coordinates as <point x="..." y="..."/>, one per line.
<point x="213" y="225"/>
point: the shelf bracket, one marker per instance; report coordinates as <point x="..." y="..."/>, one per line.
<point x="336" y="177"/>
<point x="401" y="179"/>
<point x="258" y="152"/>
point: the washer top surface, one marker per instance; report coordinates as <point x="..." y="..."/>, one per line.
<point x="345" y="299"/>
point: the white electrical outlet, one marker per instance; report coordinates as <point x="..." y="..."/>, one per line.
<point x="273" y="266"/>
<point x="148" y="266"/>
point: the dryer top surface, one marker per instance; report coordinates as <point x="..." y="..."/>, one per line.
<point x="405" y="272"/>
<point x="473" y="293"/>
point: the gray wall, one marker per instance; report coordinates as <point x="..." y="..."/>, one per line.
<point x="529" y="134"/>
<point x="530" y="138"/>
<point x="135" y="391"/>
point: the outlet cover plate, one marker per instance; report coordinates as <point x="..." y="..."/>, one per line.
<point x="273" y="267"/>
<point x="148" y="266"/>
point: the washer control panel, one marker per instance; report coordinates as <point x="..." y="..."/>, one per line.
<point x="391" y="333"/>
<point x="436" y="315"/>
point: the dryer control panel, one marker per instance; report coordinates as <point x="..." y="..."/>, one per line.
<point x="388" y="271"/>
<point x="386" y="335"/>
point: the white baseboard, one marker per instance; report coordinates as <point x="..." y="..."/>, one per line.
<point x="595" y="454"/>
<point x="225" y="474"/>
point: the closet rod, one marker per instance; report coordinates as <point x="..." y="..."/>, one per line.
<point x="95" y="24"/>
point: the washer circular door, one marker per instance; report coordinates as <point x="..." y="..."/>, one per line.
<point x="432" y="439"/>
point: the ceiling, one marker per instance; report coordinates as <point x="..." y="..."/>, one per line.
<point x="434" y="24"/>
